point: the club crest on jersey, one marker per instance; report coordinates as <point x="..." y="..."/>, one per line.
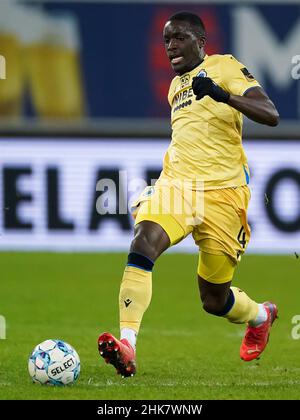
<point x="184" y="80"/>
<point x="202" y="73"/>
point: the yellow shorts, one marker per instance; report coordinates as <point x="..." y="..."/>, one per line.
<point x="216" y="269"/>
<point x="217" y="218"/>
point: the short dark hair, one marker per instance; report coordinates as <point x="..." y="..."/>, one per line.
<point x="194" y="20"/>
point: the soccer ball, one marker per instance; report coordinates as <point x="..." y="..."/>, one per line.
<point x="54" y="362"/>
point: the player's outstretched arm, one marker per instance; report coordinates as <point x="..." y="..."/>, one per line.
<point x="257" y="106"/>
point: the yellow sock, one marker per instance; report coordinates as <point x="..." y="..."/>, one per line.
<point x="135" y="296"/>
<point x="243" y="310"/>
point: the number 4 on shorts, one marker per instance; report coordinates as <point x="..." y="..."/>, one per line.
<point x="242" y="237"/>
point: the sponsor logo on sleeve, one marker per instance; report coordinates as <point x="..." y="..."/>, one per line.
<point x="247" y="74"/>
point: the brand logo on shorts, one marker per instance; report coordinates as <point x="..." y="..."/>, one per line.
<point x="149" y="191"/>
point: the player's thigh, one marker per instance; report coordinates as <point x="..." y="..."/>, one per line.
<point x="160" y="205"/>
<point x="157" y="226"/>
<point x="224" y="230"/>
<point x="215" y="273"/>
<point x="150" y="239"/>
<point x="216" y="269"/>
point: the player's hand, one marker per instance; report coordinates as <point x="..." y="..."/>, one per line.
<point x="203" y="86"/>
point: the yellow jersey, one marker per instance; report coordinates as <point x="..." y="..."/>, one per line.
<point x="207" y="135"/>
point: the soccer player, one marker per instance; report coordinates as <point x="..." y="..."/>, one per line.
<point x="208" y="97"/>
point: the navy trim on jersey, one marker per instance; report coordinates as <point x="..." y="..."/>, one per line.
<point x="250" y="88"/>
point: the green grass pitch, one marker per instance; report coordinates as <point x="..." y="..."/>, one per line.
<point x="183" y="353"/>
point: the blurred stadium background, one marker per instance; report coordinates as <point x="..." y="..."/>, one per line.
<point x="83" y="89"/>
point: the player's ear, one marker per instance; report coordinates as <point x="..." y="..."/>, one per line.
<point x="201" y="41"/>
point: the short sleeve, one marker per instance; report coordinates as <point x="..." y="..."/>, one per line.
<point x="236" y="79"/>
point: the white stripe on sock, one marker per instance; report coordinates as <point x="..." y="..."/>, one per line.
<point x="130" y="335"/>
<point x="262" y="316"/>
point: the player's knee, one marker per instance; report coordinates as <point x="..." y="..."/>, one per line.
<point x="149" y="240"/>
<point x="142" y="244"/>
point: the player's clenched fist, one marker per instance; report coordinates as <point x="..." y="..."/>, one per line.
<point x="203" y="86"/>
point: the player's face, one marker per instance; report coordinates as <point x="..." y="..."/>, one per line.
<point x="183" y="47"/>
